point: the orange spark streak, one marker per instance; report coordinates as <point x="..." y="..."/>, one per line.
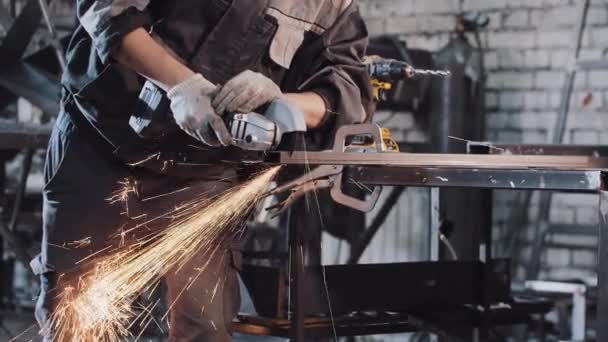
<point x="100" y="307"/>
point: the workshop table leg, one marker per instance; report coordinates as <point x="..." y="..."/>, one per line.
<point x="435" y="223"/>
<point x="296" y="271"/>
<point x="485" y="256"/>
<point x="602" y="270"/>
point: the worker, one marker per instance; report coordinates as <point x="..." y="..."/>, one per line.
<point x="210" y="58"/>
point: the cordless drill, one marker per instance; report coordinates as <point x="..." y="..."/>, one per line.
<point x="383" y="72"/>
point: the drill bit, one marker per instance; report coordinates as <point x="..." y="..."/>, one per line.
<point x="439" y="73"/>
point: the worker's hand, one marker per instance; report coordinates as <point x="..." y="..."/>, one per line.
<point x="192" y="110"/>
<point x="246" y="92"/>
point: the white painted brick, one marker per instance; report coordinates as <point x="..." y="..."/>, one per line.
<point x="532" y="212"/>
<point x="497" y="120"/>
<point x="404" y="120"/>
<point x="509" y="58"/>
<point x="587" y="215"/>
<point x="582" y="120"/>
<point x="501" y="213"/>
<point x="491" y="99"/>
<point x="491" y="60"/>
<point x="364" y="8"/>
<point x="520" y="273"/>
<point x="555" y="99"/>
<point x="516" y="18"/>
<point x="398" y="25"/>
<point x="511" y="80"/>
<point x="598" y="15"/>
<point x="535" y="18"/>
<point x="568" y="273"/>
<point x="512" y="39"/>
<point x="549" y="79"/>
<point x="592" y="54"/>
<point x="484" y="4"/>
<point x="599" y="37"/>
<point x="556" y="17"/>
<point x="536" y="58"/>
<point x="561" y="215"/>
<point x="573" y="200"/>
<point x="387" y="8"/>
<point x="496" y="19"/>
<point x="587" y="258"/>
<point x="416" y="136"/>
<point x="435" y="23"/>
<point x="511" y="100"/>
<point x="491" y="135"/>
<point x="555" y="2"/>
<point x="428" y="42"/>
<point x="436" y="6"/>
<point x="559" y="59"/>
<point x="382" y="115"/>
<point x="585" y="137"/>
<point x="580" y="240"/>
<point x="598" y="79"/>
<point x="534" y="137"/>
<point x="558" y="257"/>
<point x="536" y="100"/>
<point x="525" y="3"/>
<point x="581" y="80"/>
<point x="509" y="137"/>
<point x="376" y="26"/>
<point x="557" y="38"/>
<point x="604" y="139"/>
<point x="531" y="120"/>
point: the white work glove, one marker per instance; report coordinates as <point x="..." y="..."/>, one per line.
<point x="246" y="92"/>
<point x="192" y="110"/>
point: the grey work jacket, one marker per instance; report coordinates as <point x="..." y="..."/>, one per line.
<point x="302" y="45"/>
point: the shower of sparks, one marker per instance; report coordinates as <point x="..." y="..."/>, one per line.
<point x="98" y="306"/>
<point x="80" y="243"/>
<point x="151" y="157"/>
<point x="127" y="188"/>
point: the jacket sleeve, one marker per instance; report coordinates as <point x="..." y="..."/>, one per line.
<point x="107" y="21"/>
<point x="339" y="75"/>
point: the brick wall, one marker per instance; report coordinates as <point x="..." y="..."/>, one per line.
<point x="527" y="51"/>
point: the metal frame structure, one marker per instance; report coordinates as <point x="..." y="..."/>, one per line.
<point x="579" y="302"/>
<point x="548" y="173"/>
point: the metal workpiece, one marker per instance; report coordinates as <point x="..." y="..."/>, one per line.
<point x="582" y="181"/>
<point x="541" y="149"/>
<point x="461" y="161"/>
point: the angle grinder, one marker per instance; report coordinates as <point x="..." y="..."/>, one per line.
<point x="152" y="119"/>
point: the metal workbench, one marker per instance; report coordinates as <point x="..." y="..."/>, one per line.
<point x="19" y="136"/>
<point x="562" y="173"/>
